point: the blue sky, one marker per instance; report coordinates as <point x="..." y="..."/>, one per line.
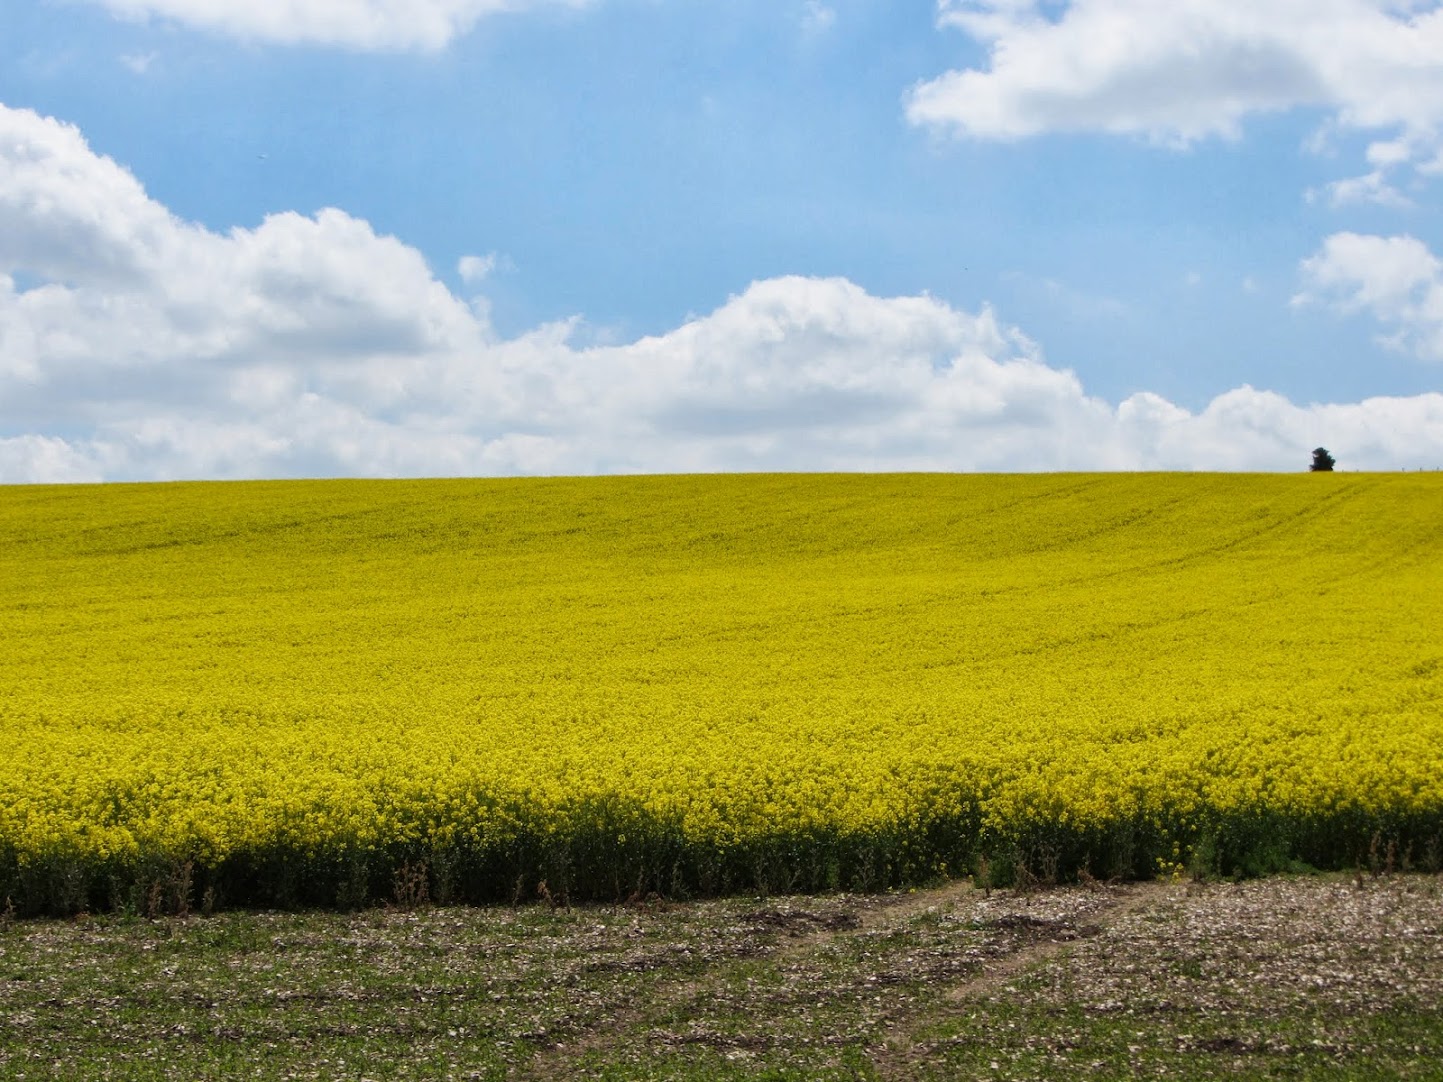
<point x="999" y="234"/>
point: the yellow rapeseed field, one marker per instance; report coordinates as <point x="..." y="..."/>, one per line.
<point x="292" y="692"/>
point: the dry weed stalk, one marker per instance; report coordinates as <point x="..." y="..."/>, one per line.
<point x="412" y="885"/>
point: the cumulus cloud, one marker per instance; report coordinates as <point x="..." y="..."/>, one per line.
<point x="119" y="269"/>
<point x="50" y="460"/>
<point x="357" y="24"/>
<point x="1180" y="72"/>
<point x="134" y="344"/>
<point x="1397" y="280"/>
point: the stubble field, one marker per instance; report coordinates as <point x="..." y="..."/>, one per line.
<point x="1323" y="977"/>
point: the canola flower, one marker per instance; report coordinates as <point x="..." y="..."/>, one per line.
<point x="292" y="690"/>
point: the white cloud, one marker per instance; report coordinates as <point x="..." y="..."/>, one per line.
<point x="1395" y="279"/>
<point x="122" y="270"/>
<point x="152" y="348"/>
<point x="1374" y="188"/>
<point x="48" y="459"/>
<point x="357" y="24"/>
<point x="475" y="269"/>
<point x="1180" y="72"/>
<point x="138" y="63"/>
<point x="817" y="17"/>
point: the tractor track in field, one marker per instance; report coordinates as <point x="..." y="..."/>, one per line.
<point x="993" y="937"/>
<point x="1034" y="940"/>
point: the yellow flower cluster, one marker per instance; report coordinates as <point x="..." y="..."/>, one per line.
<point x="902" y="670"/>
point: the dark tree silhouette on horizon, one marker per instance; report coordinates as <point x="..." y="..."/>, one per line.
<point x="1322" y="461"/>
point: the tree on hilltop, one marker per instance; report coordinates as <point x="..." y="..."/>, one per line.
<point x="1322" y="461"/>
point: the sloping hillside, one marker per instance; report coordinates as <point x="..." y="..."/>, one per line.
<point x="287" y="691"/>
